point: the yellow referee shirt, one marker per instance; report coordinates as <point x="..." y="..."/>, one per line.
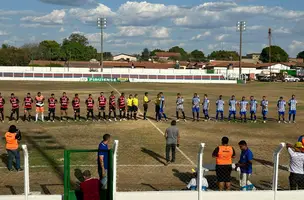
<point x="135" y="102"/>
<point x="130" y="102"/>
<point x="146" y="100"/>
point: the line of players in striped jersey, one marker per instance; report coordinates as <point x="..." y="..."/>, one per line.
<point x="244" y="106"/>
<point x="128" y="108"/>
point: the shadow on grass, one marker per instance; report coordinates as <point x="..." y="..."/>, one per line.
<point x="11" y="188"/>
<point x="150" y="186"/>
<point x="154" y="155"/>
<point x="269" y="163"/>
<point x="185" y="177"/>
<point x="45" y="189"/>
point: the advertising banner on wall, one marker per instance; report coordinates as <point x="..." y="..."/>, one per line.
<point x="108" y="80"/>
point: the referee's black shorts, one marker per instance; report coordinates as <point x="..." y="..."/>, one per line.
<point x="145" y="107"/>
<point x="223" y="173"/>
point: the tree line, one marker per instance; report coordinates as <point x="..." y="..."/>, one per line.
<point x="77" y="48"/>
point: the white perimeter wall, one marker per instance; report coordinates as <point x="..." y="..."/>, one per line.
<point x="192" y="195"/>
<point x="31" y="197"/>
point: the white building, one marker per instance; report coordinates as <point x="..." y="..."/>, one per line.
<point x="124" y="57"/>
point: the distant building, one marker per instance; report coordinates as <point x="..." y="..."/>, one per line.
<point x="124" y="57"/>
<point x="252" y="58"/>
<point x="296" y="60"/>
<point x="167" y="55"/>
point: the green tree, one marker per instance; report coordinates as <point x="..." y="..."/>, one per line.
<point x="183" y="53"/>
<point x="145" y="55"/>
<point x="49" y="50"/>
<point x="301" y="55"/>
<point x="277" y="54"/>
<point x="197" y="55"/>
<point x="12" y="56"/>
<point x="32" y="50"/>
<point x="224" y="55"/>
<point x="78" y="38"/>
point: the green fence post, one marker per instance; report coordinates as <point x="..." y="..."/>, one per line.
<point x="66" y="174"/>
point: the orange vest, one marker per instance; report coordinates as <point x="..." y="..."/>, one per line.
<point x="224" y="155"/>
<point x="11" y="141"/>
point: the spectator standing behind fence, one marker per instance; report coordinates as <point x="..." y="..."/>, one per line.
<point x="172" y="140"/>
<point x="12" y="137"/>
<point x="90" y="187"/>
<point x="224" y="155"/>
<point x="245" y="165"/>
<point x="296" y="177"/>
<point x="103" y="158"/>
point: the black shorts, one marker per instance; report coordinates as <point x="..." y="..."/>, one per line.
<point x="123" y="109"/>
<point x="130" y="109"/>
<point x="145" y="107"/>
<point x="223" y="173"/>
<point x="90" y="109"/>
<point x="1" y="109"/>
<point x="76" y="110"/>
<point x="28" y="109"/>
<point x="135" y="108"/>
<point x="63" y="109"/>
<point x="51" y="110"/>
<point x="112" y="108"/>
<point x="14" y="110"/>
<point x="102" y="108"/>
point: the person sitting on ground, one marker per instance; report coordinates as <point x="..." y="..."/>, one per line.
<point x="90" y="187"/>
<point x="192" y="185"/>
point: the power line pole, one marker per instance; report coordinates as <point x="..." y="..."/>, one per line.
<point x="241" y="27"/>
<point x="269" y="53"/>
<point x="102" y="24"/>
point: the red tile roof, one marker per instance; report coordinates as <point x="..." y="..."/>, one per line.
<point x="167" y="54"/>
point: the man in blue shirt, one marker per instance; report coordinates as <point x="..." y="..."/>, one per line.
<point x="103" y="160"/>
<point x="232" y="108"/>
<point x="253" y="109"/>
<point x="162" y="106"/>
<point x="220" y="108"/>
<point x="245" y="165"/>
<point x="195" y="106"/>
<point x="292" y="108"/>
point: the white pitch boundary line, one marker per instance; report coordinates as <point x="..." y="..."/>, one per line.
<point x="160" y="131"/>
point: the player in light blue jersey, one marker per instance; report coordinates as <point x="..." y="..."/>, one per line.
<point x="206" y="104"/>
<point x="162" y="107"/>
<point x="253" y="108"/>
<point x="195" y="106"/>
<point x="232" y="108"/>
<point x="292" y="108"/>
<point x="281" y="109"/>
<point x="264" y="106"/>
<point x="180" y="107"/>
<point x="220" y="108"/>
<point x="243" y="109"/>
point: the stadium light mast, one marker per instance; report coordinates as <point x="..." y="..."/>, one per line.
<point x="241" y="27"/>
<point x="101" y="24"/>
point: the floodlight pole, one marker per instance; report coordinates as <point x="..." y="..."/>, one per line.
<point x="241" y="26"/>
<point x="102" y="24"/>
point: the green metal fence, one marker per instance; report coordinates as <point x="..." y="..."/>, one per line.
<point x="69" y="193"/>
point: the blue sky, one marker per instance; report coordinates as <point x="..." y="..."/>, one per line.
<point x="134" y="25"/>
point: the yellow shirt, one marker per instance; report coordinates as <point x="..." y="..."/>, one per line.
<point x="130" y="102"/>
<point x="135" y="101"/>
<point x="146" y="99"/>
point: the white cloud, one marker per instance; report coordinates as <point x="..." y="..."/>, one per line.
<point x="201" y="36"/>
<point x="55" y="17"/>
<point x="282" y="30"/>
<point x="3" y="33"/>
<point x="150" y="31"/>
<point x="61" y="30"/>
<point x="213" y="47"/>
<point x="17" y="12"/>
<point x="91" y="15"/>
<point x="296" y="46"/>
<point x="95" y="37"/>
<point x="221" y="37"/>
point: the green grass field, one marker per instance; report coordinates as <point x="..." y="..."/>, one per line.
<point x="141" y="143"/>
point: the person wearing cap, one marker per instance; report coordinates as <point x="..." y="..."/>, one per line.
<point x="172" y="141"/>
<point x="296" y="169"/>
<point x="192" y="185"/>
<point x="90" y="187"/>
<point x="224" y="155"/>
<point x="12" y="136"/>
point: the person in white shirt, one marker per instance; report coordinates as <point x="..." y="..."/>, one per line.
<point x="192" y="185"/>
<point x="296" y="169"/>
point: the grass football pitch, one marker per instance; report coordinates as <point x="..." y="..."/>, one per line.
<point x="141" y="143"/>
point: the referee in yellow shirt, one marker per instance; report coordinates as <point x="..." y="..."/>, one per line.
<point x="146" y="101"/>
<point x="130" y="107"/>
<point x="135" y="106"/>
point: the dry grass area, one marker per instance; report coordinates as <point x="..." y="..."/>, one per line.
<point x="141" y="144"/>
